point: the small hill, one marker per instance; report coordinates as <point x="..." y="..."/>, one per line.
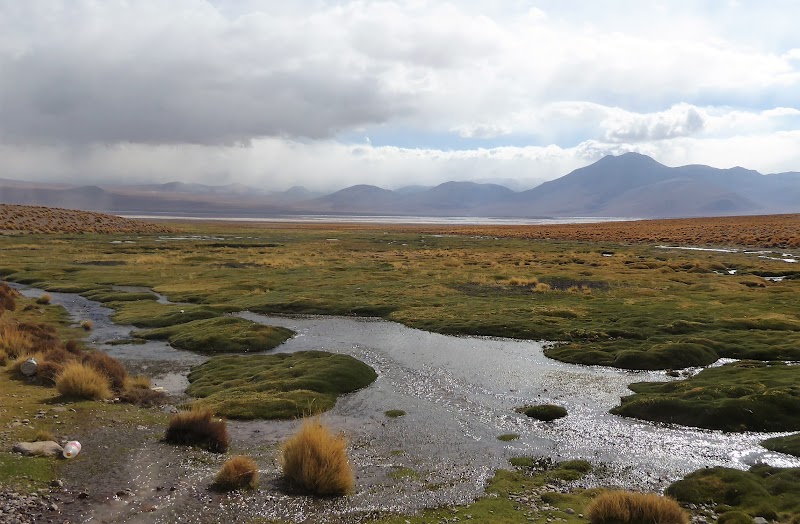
<point x="37" y="219"/>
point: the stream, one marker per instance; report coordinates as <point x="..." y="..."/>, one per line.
<point x="459" y="394"/>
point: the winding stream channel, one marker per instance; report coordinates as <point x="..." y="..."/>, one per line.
<point x="459" y="394"/>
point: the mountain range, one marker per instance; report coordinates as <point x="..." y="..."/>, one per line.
<point x="629" y="185"/>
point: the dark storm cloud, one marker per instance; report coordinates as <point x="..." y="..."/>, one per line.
<point x="62" y="98"/>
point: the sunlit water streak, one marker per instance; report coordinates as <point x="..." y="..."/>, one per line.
<point x="459" y="394"/>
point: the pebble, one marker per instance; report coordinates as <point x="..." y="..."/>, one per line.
<point x="19" y="508"/>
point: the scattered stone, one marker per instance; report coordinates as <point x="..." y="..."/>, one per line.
<point x="57" y="484"/>
<point x="569" y="511"/>
<point x="759" y="520"/>
<point x="46" y="448"/>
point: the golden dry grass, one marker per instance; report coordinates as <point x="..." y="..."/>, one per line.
<point x="78" y="380"/>
<point x="776" y="231"/>
<point x="315" y="460"/>
<point x="238" y="472"/>
<point x="626" y="507"/>
<point x="13" y="341"/>
<point x="108" y="366"/>
<point x="38" y="219"/>
<point x="87" y="325"/>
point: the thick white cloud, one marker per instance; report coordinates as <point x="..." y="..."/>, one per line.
<point x="261" y="91"/>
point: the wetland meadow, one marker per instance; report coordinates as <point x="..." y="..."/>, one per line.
<point x="672" y="347"/>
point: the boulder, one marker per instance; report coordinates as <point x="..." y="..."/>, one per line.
<point x="46" y="448"/>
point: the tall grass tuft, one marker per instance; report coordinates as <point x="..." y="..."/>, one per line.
<point x="78" y="380"/>
<point x="44" y="299"/>
<point x="237" y="473"/>
<point x="14" y="342"/>
<point x="315" y="460"/>
<point x="8" y="297"/>
<point x="196" y="428"/>
<point x="627" y="507"/>
<point x="109" y="366"/>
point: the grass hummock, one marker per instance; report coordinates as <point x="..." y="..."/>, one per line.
<point x="742" y="396"/>
<point x="627" y="507"/>
<point x="315" y="460"/>
<point x="763" y="491"/>
<point x="789" y="444"/>
<point x="220" y="335"/>
<point x="237" y="472"/>
<point x="284" y="385"/>
<point x="196" y="428"/>
<point x="543" y="412"/>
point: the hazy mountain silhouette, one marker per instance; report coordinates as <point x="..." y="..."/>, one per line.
<point x="630" y="185"/>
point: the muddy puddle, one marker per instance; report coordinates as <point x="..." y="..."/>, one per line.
<point x="458" y="393"/>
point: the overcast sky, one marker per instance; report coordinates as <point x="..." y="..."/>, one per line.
<point x="329" y="94"/>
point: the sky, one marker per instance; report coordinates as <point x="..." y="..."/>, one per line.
<point x="328" y="94"/>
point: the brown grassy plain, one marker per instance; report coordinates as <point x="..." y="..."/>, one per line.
<point x="767" y="231"/>
<point x="38" y="219"/>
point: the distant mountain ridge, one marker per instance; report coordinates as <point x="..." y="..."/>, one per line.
<point x="629" y="185"/>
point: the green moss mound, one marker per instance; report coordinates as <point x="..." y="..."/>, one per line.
<point x="789" y="444"/>
<point x="669" y="355"/>
<point x="743" y="396"/>
<point x="543" y="412"/>
<point x="763" y="491"/>
<point x="281" y="386"/>
<point x="150" y="314"/>
<point x="220" y="335"/>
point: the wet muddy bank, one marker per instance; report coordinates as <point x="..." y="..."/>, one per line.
<point x="458" y="393"/>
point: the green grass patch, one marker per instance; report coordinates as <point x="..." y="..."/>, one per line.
<point x="149" y="314"/>
<point x="789" y="444"/>
<point x="399" y="472"/>
<point x="280" y="386"/>
<point x="117" y="296"/>
<point x="763" y="491"/>
<point x="742" y="396"/>
<point x="220" y="335"/>
<point x="508" y="437"/>
<point x="501" y="503"/>
<point x="394" y="413"/>
<point x="643" y="308"/>
<point x="543" y="412"/>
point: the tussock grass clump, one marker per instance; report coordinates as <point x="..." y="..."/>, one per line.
<point x="541" y="287"/>
<point x="237" y="473"/>
<point x="543" y="412"/>
<point x="42" y="435"/>
<point x="13" y="341"/>
<point x="78" y="380"/>
<point x="87" y="325"/>
<point x="44" y="299"/>
<point x="137" y="391"/>
<point x="634" y="508"/>
<point x="196" y="428"/>
<point x="8" y="297"/>
<point x="315" y="460"/>
<point x="109" y="366"/>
